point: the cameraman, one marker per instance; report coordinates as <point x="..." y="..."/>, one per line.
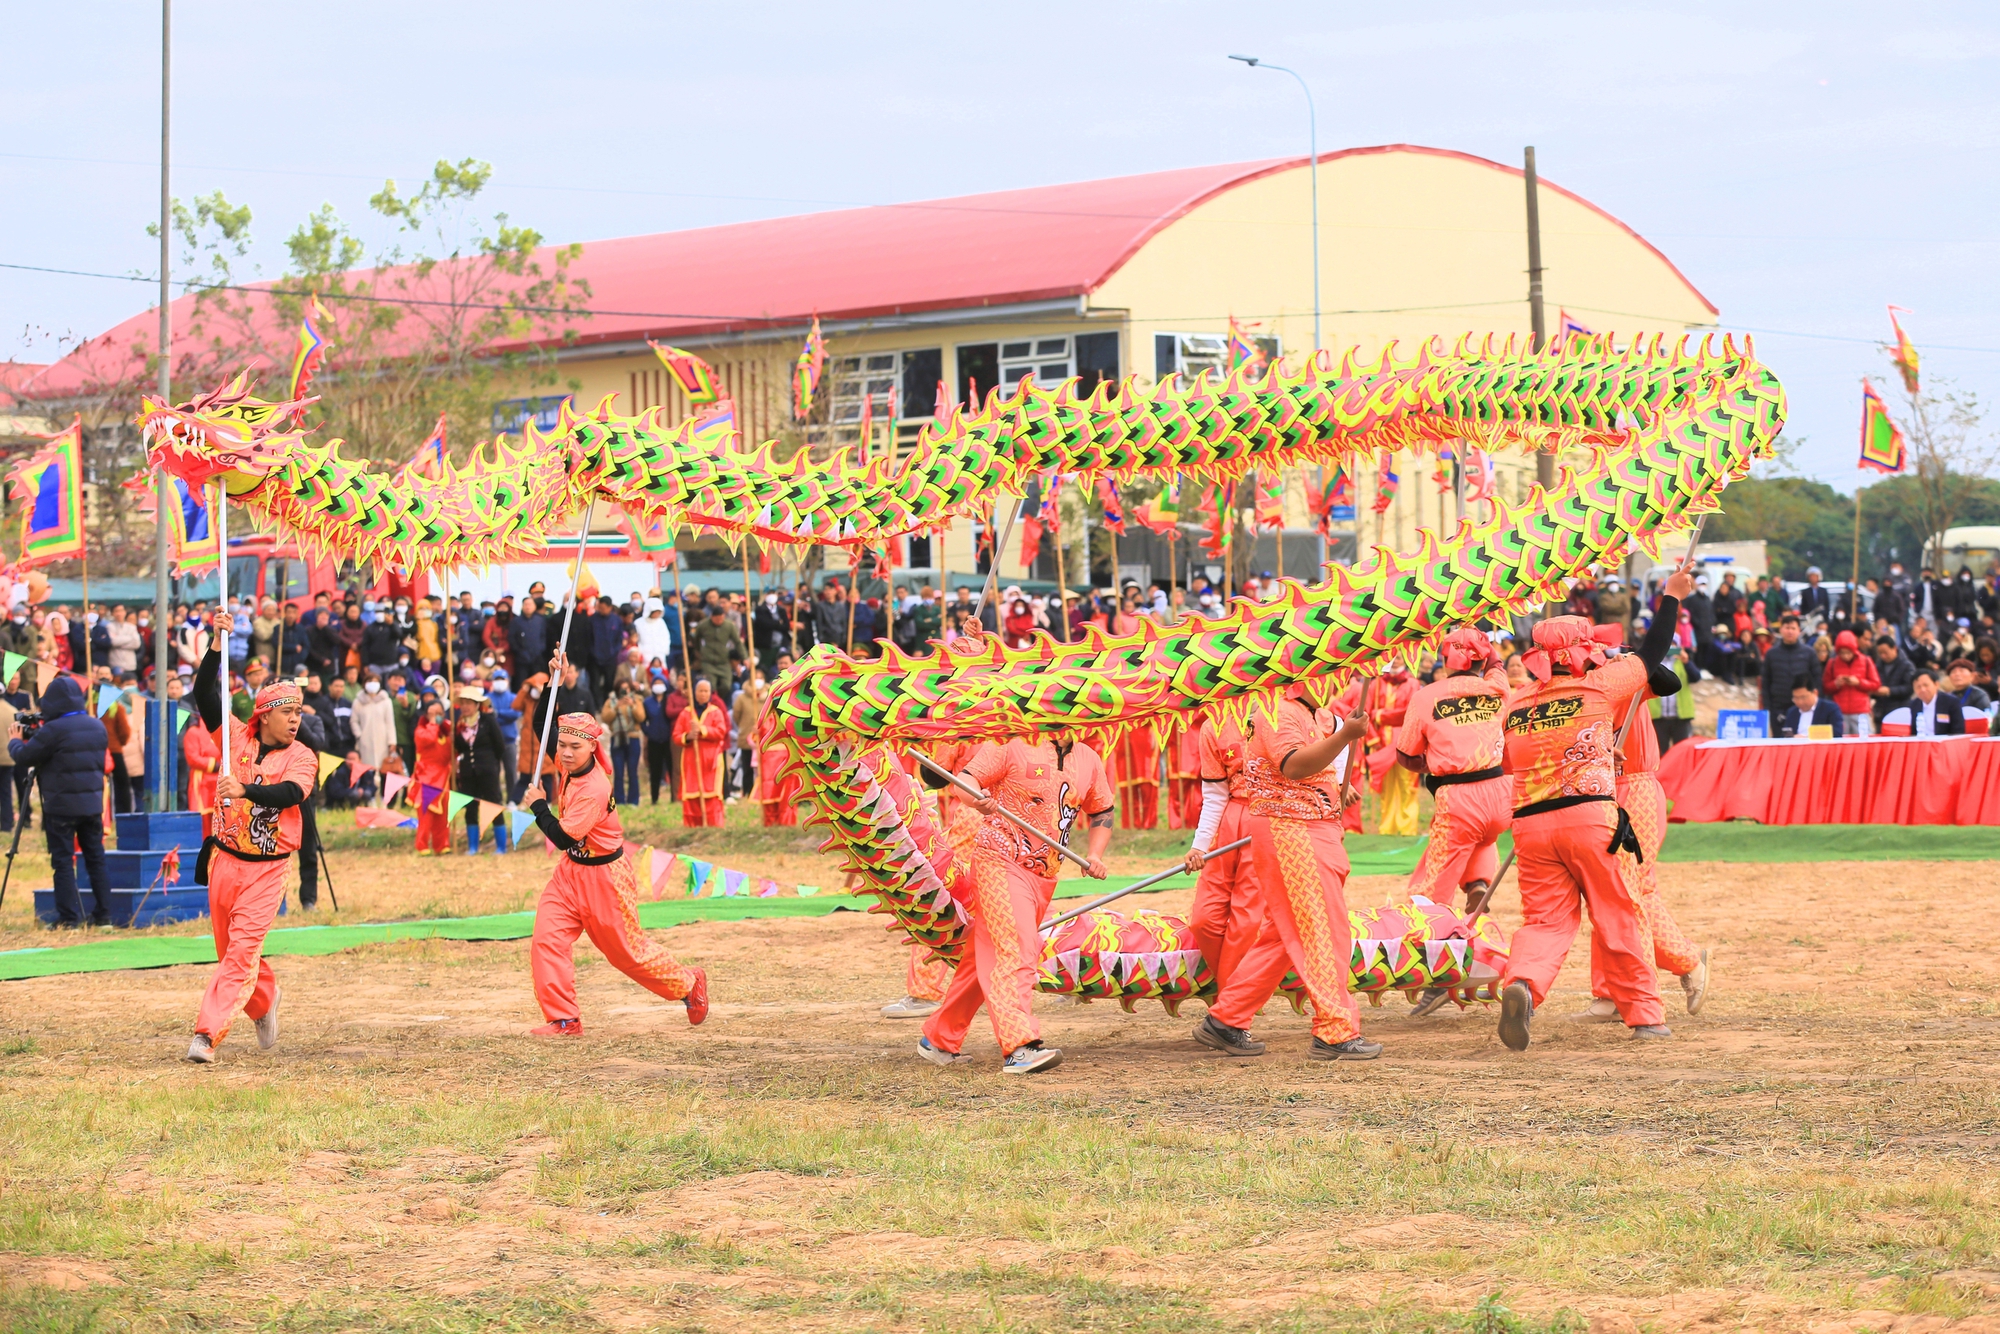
<point x="67" y="753"/>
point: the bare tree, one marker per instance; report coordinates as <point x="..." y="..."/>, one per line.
<point x="1951" y="452"/>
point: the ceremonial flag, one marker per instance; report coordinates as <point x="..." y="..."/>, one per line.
<point x="1905" y="355"/>
<point x="1269" y="498"/>
<point x="1114" y="508"/>
<point x="983" y="542"/>
<point x="735" y="884"/>
<point x="715" y="429"/>
<point x="1443" y="476"/>
<point x="586" y="584"/>
<point x="649" y="534"/>
<point x="1568" y="326"/>
<point x="696" y="377"/>
<point x="944" y="404"/>
<point x="374" y="817"/>
<point x="1481" y="482"/>
<point x="767" y="888"/>
<point x="1216" y="528"/>
<point x="867" y="423"/>
<point x="307" y="356"/>
<point x="518" y="825"/>
<point x="327" y="764"/>
<point x="1882" y="447"/>
<point x="107" y="699"/>
<point x="807" y="371"/>
<point x="698" y="875"/>
<point x="1243" y="351"/>
<point x="392" y="784"/>
<point x="1386" y="482"/>
<point x="489" y="811"/>
<point x="1031" y="541"/>
<point x="1162" y="513"/>
<point x="190" y="544"/>
<point x="49" y="487"/>
<point x="1334" y="503"/>
<point x="428" y="461"/>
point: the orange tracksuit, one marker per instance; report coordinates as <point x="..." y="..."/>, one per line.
<point x="1560" y="736"/>
<point x="593" y="892"/>
<point x="1301" y="863"/>
<point x="1639" y="792"/>
<point x="1012" y="882"/>
<point x="1453" y="724"/>
<point x="1228" y="911"/>
<point x="246" y="878"/>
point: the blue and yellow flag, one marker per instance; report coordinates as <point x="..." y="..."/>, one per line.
<point x="49" y="489"/>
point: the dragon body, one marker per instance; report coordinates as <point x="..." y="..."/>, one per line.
<point x="1656" y="432"/>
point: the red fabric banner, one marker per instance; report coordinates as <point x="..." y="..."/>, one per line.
<point x="1906" y="781"/>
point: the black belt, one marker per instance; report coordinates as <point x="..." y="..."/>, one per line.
<point x="1555" y="804"/>
<point x="605" y="860"/>
<point x="1435" y="781"/>
<point x="252" y="856"/>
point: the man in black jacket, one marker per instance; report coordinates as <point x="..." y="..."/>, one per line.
<point x="1898" y="675"/>
<point x="1788" y="660"/>
<point x="528" y="639"/>
<point x="1809" y="711"/>
<point x="1701" y="620"/>
<point x="68" y="756"/>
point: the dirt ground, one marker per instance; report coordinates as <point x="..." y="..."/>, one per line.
<point x="1814" y="1152"/>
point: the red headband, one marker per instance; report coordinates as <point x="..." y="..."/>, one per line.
<point x="1467" y="647"/>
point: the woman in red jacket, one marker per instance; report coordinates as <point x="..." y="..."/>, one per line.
<point x="433" y="781"/>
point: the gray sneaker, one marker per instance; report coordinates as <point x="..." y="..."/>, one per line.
<point x="1028" y="1060"/>
<point x="267" y="1027"/>
<point x="1213" y="1033"/>
<point x="909" y="1008"/>
<point x="1695" y="985"/>
<point x="202" y="1050"/>
<point x="1433" y="1000"/>
<point x="938" y="1055"/>
<point x="1354" y="1049"/>
<point x="1600" y="1011"/>
<point x="1517" y="1011"/>
<point x="1651" y="1031"/>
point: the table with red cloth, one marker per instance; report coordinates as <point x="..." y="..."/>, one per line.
<point x="1875" y="780"/>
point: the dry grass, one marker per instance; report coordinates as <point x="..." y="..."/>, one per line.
<point x="1813" y="1153"/>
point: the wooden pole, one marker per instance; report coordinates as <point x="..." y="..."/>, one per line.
<point x="1137" y="885"/>
<point x="969" y="790"/>
<point x="1062" y="581"/>
<point x="749" y="638"/>
<point x="221" y="514"/>
<point x="1854" y="583"/>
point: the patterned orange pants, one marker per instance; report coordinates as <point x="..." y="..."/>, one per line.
<point x="1645" y="801"/>
<point x="601" y="902"/>
<point x="1008" y="901"/>
<point x="925" y="978"/>
<point x="1467" y="820"/>
<point x="1302" y="866"/>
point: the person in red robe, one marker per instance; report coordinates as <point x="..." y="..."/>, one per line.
<point x="1183" y="775"/>
<point x="1135" y="759"/>
<point x="702" y="731"/>
<point x="433" y="781"/>
<point x="257" y="832"/>
<point x="204" y="760"/>
<point x="777" y="787"/>
<point x="593" y="890"/>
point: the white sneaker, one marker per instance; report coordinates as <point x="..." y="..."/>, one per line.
<point x="938" y="1055"/>
<point x="1027" y="1060"/>
<point x="201" y="1051"/>
<point x="1600" y="1011"/>
<point x="909" y="1008"/>
<point x="267" y="1027"/>
<point x="1695" y="985"/>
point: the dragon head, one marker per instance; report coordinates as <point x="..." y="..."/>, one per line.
<point x="224" y="431"/>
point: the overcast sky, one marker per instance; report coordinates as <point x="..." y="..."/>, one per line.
<point x="1802" y="163"/>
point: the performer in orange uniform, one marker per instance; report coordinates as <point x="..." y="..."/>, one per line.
<point x="433" y="778"/>
<point x="701" y="731"/>
<point x="1451" y="734"/>
<point x="1228" y="911"/>
<point x="777" y="789"/>
<point x="1645" y="804"/>
<point x="1567" y="825"/>
<point x="1388" y="706"/>
<point x="593" y="891"/>
<point x="256" y="833"/>
<point x="1293" y="793"/>
<point x="203" y="760"/>
<point x="1013" y="880"/>
<point x="926" y="979"/>
<point x="1136" y="757"/>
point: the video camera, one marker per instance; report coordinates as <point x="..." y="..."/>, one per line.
<point x="29" y="721"/>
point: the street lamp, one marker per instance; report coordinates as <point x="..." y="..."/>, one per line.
<point x="1312" y="139"/>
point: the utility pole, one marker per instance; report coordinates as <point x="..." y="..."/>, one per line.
<point x="163" y="733"/>
<point x="1545" y="460"/>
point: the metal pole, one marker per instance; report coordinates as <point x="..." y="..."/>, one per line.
<point x="1312" y="140"/>
<point x="569" y="614"/>
<point x="1138" y="885"/>
<point x="1545" y="460"/>
<point x="221" y="521"/>
<point x="163" y="794"/>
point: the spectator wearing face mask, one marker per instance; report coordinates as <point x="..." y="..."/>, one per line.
<point x="374" y="722"/>
<point x="659" y="734"/>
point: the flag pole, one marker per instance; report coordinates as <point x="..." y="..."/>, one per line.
<point x="569" y="614"/>
<point x="163" y="485"/>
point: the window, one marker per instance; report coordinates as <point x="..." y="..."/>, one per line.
<point x="286" y="578"/>
<point x="869" y="378"/>
<point x="923" y="372"/>
<point x="1047" y="359"/>
<point x="978" y="371"/>
<point x="1096" y="360"/>
<point x="1191" y="354"/>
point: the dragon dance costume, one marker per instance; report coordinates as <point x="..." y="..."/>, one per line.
<point x="593" y="892"/>
<point x="1228" y="912"/>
